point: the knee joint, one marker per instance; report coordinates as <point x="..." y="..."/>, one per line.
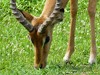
<point x="91" y="12"/>
<point x="73" y="13"/>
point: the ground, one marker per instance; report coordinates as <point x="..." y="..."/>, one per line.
<point x="17" y="53"/>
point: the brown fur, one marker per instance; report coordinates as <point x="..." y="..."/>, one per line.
<point x="41" y="52"/>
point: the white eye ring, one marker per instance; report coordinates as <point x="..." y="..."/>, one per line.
<point x="43" y="42"/>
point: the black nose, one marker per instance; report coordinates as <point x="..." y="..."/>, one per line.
<point x="41" y="66"/>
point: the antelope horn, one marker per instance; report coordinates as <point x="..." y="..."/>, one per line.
<point x="47" y="22"/>
<point x="19" y="16"/>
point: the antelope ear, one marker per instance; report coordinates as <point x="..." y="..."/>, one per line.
<point x="26" y="15"/>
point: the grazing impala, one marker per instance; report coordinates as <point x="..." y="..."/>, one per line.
<point x="41" y="28"/>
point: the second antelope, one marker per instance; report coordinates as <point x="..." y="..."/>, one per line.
<point x="41" y="28"/>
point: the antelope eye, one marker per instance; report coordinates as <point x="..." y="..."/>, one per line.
<point x="47" y="40"/>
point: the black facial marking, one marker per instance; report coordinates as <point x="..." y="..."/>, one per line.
<point x="47" y="40"/>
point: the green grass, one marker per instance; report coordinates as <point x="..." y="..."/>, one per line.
<point x="16" y="51"/>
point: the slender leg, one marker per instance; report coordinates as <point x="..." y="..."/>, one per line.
<point x="70" y="50"/>
<point x="91" y="11"/>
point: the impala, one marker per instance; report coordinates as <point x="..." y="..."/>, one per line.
<point x="41" y="28"/>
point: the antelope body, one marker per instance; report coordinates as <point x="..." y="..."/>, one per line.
<point x="41" y="28"/>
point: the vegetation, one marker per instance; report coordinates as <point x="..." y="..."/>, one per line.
<point x="16" y="51"/>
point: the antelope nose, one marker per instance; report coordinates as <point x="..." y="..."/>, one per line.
<point x="42" y="66"/>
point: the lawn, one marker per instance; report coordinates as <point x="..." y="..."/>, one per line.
<point x="17" y="53"/>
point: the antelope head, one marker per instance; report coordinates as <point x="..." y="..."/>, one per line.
<point x="40" y="30"/>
